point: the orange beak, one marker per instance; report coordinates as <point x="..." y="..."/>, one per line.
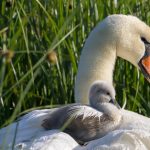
<point x="146" y="64"/>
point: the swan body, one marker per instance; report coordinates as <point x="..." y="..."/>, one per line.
<point x="32" y="136"/>
<point x="118" y="35"/>
<point x="85" y="123"/>
<point x="134" y="133"/>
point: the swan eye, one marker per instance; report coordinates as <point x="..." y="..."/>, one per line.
<point x="144" y="40"/>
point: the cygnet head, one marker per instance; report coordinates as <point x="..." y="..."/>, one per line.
<point x="101" y="92"/>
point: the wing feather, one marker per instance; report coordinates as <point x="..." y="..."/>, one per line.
<point x="83" y="123"/>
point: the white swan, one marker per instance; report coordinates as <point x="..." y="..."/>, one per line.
<point x="129" y="38"/>
<point x="117" y="35"/>
<point x="88" y="122"/>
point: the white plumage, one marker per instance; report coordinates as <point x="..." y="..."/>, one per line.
<point x="117" y="35"/>
<point x="133" y="134"/>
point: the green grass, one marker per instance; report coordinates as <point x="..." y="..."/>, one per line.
<point x="33" y="29"/>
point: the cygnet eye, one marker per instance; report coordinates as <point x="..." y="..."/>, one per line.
<point x="107" y="93"/>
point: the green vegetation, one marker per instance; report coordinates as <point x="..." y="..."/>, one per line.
<point x="40" y="43"/>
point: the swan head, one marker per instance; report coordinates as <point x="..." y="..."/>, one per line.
<point x="101" y="92"/>
<point x="117" y="35"/>
<point x="132" y="37"/>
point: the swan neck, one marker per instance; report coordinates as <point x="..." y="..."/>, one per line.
<point x="96" y="63"/>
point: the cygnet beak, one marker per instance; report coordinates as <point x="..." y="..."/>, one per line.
<point x="113" y="101"/>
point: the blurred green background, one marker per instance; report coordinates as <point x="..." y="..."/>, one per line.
<point x="40" y="46"/>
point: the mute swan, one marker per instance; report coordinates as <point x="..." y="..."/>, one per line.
<point x="91" y="124"/>
<point x="117" y="35"/>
